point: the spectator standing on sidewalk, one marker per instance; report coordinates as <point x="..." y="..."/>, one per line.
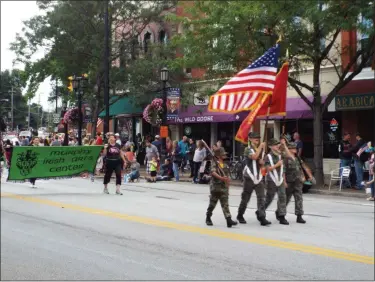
<point x="358" y="163"/>
<point x="177" y="159"/>
<point x="345" y="154"/>
<point x="190" y="155"/>
<point x="371" y="182"/>
<point x="183" y="145"/>
<point x="299" y="143"/>
<point x="151" y="151"/>
<point x="99" y="139"/>
<point x="199" y="156"/>
<point x="118" y="140"/>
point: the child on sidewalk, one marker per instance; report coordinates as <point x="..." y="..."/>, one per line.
<point x="153" y="169"/>
<point x="134" y="174"/>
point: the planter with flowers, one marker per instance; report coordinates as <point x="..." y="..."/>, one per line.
<point x="153" y="113"/>
<point x="72" y="116"/>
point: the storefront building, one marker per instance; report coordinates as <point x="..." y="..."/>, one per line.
<point x="197" y="123"/>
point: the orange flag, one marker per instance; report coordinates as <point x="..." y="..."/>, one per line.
<point x="278" y="103"/>
<point x="277" y="107"/>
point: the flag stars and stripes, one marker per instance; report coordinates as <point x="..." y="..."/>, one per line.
<point x="244" y="90"/>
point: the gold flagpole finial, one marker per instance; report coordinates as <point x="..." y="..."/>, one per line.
<point x="280" y="38"/>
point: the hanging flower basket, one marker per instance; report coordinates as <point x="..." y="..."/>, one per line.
<point x="71" y="116"/>
<point x="153" y="113"/>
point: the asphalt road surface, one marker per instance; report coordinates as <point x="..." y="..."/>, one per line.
<point x="70" y="230"/>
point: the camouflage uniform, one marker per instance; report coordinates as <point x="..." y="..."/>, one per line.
<point x="249" y="186"/>
<point x="272" y="187"/>
<point x="219" y="192"/>
<point x="293" y="175"/>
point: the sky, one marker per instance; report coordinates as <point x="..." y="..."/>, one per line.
<point x="13" y="13"/>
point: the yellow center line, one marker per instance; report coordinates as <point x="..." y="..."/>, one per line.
<point x="200" y="230"/>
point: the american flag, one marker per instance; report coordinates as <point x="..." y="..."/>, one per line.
<point x="99" y="122"/>
<point x="245" y="89"/>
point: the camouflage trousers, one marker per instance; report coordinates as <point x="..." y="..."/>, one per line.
<point x="223" y="197"/>
<point x="294" y="189"/>
<point x="248" y="188"/>
<point x="272" y="189"/>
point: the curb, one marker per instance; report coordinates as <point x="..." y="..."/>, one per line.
<point x="337" y="193"/>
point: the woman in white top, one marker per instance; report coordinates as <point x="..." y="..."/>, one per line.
<point x="199" y="155"/>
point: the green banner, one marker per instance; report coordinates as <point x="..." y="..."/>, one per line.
<point x="52" y="162"/>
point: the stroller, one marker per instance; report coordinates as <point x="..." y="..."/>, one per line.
<point x="204" y="172"/>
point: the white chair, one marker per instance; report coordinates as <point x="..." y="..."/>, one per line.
<point x="335" y="175"/>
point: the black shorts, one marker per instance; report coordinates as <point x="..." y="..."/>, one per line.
<point x="153" y="173"/>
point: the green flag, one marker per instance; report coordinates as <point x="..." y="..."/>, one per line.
<point x="52" y="162"/>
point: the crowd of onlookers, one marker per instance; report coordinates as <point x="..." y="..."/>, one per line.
<point x="189" y="155"/>
<point x="359" y="157"/>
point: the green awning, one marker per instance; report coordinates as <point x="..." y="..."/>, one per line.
<point x="121" y="106"/>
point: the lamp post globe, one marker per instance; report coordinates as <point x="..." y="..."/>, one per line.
<point x="164" y="74"/>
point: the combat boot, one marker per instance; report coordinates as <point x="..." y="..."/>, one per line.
<point x="257" y="215"/>
<point x="230" y="222"/>
<point x="263" y="221"/>
<point x="283" y="221"/>
<point x="277" y="215"/>
<point x="300" y="219"/>
<point x="241" y="219"/>
<point x="209" y="221"/>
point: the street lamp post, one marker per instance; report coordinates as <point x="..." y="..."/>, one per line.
<point x="78" y="83"/>
<point x="64" y="109"/>
<point x="164" y="76"/>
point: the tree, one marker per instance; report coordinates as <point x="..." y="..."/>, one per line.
<point x="73" y="34"/>
<point x="13" y="80"/>
<point x="224" y="36"/>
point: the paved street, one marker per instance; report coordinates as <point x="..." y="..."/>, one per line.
<point x="69" y="230"/>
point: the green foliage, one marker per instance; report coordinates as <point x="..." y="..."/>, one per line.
<point x="13" y="80"/>
<point x="224" y="36"/>
<point x="73" y="33"/>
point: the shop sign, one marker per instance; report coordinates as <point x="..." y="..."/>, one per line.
<point x="163" y="131"/>
<point x="187" y="130"/>
<point x="355" y="102"/>
<point x="173" y="102"/>
<point x="193" y="119"/>
<point x="200" y="100"/>
<point x="333" y="125"/>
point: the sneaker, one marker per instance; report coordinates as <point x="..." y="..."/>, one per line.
<point x="370" y="199"/>
<point x="118" y="193"/>
<point x="33" y="186"/>
<point x="105" y="191"/>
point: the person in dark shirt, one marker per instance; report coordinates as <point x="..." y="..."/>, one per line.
<point x="157" y="143"/>
<point x="114" y="155"/>
<point x="358" y="164"/>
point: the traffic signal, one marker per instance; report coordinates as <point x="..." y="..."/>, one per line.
<point x="70" y="87"/>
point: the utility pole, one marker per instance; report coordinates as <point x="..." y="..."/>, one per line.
<point x="29" y="114"/>
<point x="56" y="93"/>
<point x="12" y="101"/>
<point x="106" y="67"/>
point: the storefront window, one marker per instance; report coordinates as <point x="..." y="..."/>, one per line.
<point x="125" y="127"/>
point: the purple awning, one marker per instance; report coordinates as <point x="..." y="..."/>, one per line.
<point x="296" y="108"/>
<point x="200" y="114"/>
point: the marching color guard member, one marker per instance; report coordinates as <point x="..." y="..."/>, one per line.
<point x="293" y="181"/>
<point x="219" y="188"/>
<point x="253" y="179"/>
<point x="275" y="179"/>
